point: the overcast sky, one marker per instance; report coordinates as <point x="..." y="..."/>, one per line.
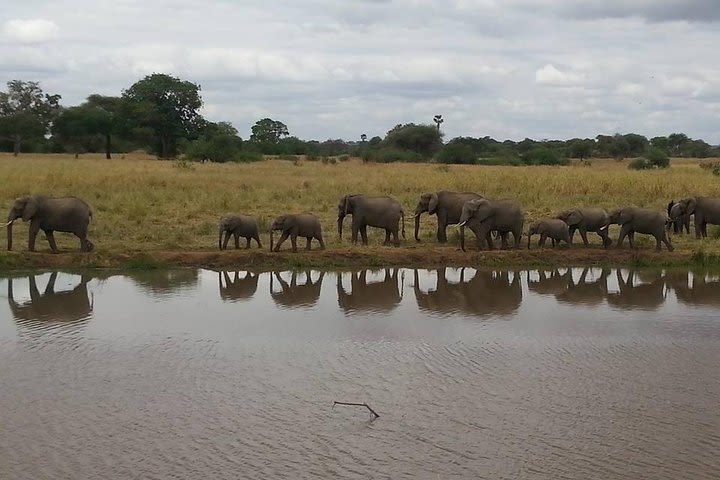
<point x="336" y="69"/>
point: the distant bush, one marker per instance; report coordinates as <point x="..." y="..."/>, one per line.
<point x="286" y="156"/>
<point x="312" y="157"/>
<point x="455" y="152"/>
<point x="391" y="154"/>
<point x="344" y="158"/>
<point x="508" y="159"/>
<point x="248" y="156"/>
<point x="328" y="161"/>
<point x="543" y="156"/>
<point x="713" y="167"/>
<point x="653" y="158"/>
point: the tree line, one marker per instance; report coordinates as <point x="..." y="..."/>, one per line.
<point x="161" y="114"/>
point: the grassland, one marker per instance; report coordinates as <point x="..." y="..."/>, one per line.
<point x="149" y="212"/>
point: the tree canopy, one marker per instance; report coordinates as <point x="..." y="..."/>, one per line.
<point x="26" y="112"/>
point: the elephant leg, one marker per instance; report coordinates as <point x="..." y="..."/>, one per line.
<point x="257" y="239"/>
<point x="53" y="246"/>
<point x="667" y="242"/>
<point x="363" y="235"/>
<point x="543" y="238"/>
<point x="282" y="238"/>
<point x="247" y="243"/>
<point x="387" y="237"/>
<point x="307" y="244"/>
<point x="583" y="234"/>
<point x="226" y="239"/>
<point x="572" y="232"/>
<point x="631" y="238"/>
<point x="488" y="241"/>
<point x="320" y="240"/>
<point x="605" y="238"/>
<point x="698" y="226"/>
<point x="236" y="237"/>
<point x="354" y="229"/>
<point x="396" y="240"/>
<point x="34" y="229"/>
<point x="658" y="244"/>
<point x="293" y="241"/>
<point x="504" y="241"/>
<point x="623" y="233"/>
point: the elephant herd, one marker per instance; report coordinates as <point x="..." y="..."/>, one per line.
<point x="486" y="218"/>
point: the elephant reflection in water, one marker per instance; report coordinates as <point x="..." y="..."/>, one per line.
<point x="374" y="296"/>
<point x="165" y="282"/>
<point x="237" y="288"/>
<point x="699" y="291"/>
<point x="487" y="293"/>
<point x="583" y="291"/>
<point x="555" y="283"/>
<point x="294" y="294"/>
<point x="648" y="295"/>
<point x="73" y="306"/>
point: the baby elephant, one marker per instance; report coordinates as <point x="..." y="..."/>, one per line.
<point x="552" y="228"/>
<point x="297" y="225"/>
<point x="238" y="226"/>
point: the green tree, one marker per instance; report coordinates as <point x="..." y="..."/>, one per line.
<point x="636" y="144"/>
<point x="581" y="148"/>
<point x="457" y="152"/>
<point x="268" y="131"/>
<point x="675" y="143"/>
<point x="26" y="112"/>
<point x="425" y="140"/>
<point x="166" y="105"/>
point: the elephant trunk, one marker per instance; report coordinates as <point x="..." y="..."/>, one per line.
<point x="220" y="236"/>
<point x="417" y="227"/>
<point x="9" y="225"/>
<point x="462" y="237"/>
<point x="529" y="236"/>
<point x="272" y="233"/>
<point x="340" y="225"/>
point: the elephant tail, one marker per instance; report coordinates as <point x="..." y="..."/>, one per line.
<point x="402" y="219"/>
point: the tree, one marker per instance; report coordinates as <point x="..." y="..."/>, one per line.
<point x="363" y="138"/>
<point x="637" y="144"/>
<point x="166" y="105"/>
<point x="457" y="152"/>
<point x="268" y="131"/>
<point x="26" y="112"/>
<point x="581" y="148"/>
<point x="675" y="143"/>
<point x="438" y="120"/>
<point x="425" y="140"/>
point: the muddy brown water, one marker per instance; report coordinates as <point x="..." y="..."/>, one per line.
<point x="188" y="374"/>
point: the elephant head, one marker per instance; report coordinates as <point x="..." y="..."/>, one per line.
<point x="620" y="216"/>
<point x="572" y="217"/>
<point x="346" y="206"/>
<point x="476" y="210"/>
<point x="23" y="207"/>
<point x="687" y="206"/>
<point x="428" y="203"/>
<point x="532" y="230"/>
<point x="280" y="223"/>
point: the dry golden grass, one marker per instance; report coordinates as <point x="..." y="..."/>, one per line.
<point x="142" y="205"/>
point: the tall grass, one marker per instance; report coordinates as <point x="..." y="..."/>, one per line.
<point x="141" y="203"/>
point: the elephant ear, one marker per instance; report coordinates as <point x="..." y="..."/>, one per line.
<point x="624" y="216"/>
<point x="574" y="217"/>
<point x="481" y="210"/>
<point x="670" y="206"/>
<point x="346" y="204"/>
<point x="31" y="208"/>
<point x="433" y="204"/>
<point x="690" y="205"/>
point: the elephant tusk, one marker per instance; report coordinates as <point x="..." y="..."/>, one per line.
<point x="604" y="228"/>
<point x="462" y="224"/>
<point x="8" y="223"/>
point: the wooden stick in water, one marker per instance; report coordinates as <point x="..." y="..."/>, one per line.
<point x="358" y="405"/>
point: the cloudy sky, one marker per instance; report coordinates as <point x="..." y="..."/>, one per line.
<point x="331" y="68"/>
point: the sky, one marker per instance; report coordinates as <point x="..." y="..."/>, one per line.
<point x="509" y="69"/>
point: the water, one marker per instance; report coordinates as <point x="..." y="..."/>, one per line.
<point x="581" y="373"/>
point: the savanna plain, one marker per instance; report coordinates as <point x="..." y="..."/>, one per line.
<point x="148" y="212"/>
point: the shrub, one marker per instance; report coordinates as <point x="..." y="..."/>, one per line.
<point x="654" y="158"/>
<point x="713" y="167"/>
<point x="422" y="139"/>
<point x="502" y="159"/>
<point x="455" y="152"/>
<point x="344" y="158"/>
<point x="640" y="164"/>
<point x="248" y="156"/>
<point x="390" y="154"/>
<point x="543" y="156"/>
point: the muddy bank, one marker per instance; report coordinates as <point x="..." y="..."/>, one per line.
<point x="427" y="256"/>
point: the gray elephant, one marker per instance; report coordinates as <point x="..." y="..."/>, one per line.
<point x="66" y="306"/>
<point x="483" y="216"/>
<point x="706" y="210"/>
<point x="50" y="214"/>
<point x="367" y="211"/>
<point x="381" y="296"/>
<point x="678" y="220"/>
<point x="446" y="205"/>
<point x="584" y="292"/>
<point x="296" y="294"/>
<point x="587" y="220"/>
<point x="297" y="225"/>
<point x="553" y="284"/>
<point x="238" y="226"/>
<point x="648" y="294"/>
<point x="551" y="228"/>
<point x="641" y="220"/>
<point x="237" y="288"/>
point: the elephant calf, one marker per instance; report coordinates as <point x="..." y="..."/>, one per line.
<point x="238" y="226"/>
<point x="678" y="219"/>
<point x="641" y="220"/>
<point x="551" y="228"/>
<point x="586" y="220"/>
<point x="50" y="214"/>
<point x="297" y="225"/>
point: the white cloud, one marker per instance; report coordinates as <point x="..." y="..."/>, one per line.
<point x="549" y="75"/>
<point x="35" y="30"/>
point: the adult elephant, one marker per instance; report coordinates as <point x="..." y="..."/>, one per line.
<point x="382" y="296"/>
<point x="367" y="211"/>
<point x="706" y="210"/>
<point x="50" y="214"/>
<point x="237" y="288"/>
<point x="678" y="220"/>
<point x="641" y="220"/>
<point x="66" y="306"/>
<point x="446" y="205"/>
<point x="586" y="220"/>
<point x="482" y="216"/>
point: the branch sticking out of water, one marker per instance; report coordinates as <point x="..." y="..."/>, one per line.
<point x="375" y="415"/>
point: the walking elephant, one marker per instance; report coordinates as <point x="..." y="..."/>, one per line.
<point x="382" y="296"/>
<point x="238" y="226"/>
<point x="446" y="205"/>
<point x="367" y="211"/>
<point x="551" y="228"/>
<point x="706" y="210"/>
<point x="296" y="294"/>
<point x="51" y="214"/>
<point x="297" y="225"/>
<point x="66" y="306"/>
<point x="237" y="288"/>
<point x="587" y="220"/>
<point x="678" y="220"/>
<point x="483" y="216"/>
<point x="641" y="220"/>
